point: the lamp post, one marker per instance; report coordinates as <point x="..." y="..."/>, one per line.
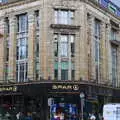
<point x="82" y="96"/>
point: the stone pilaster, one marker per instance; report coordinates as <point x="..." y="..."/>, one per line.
<point x="31" y="45"/>
<point x="2" y="46"/>
<point x="59" y="58"/>
<point x="12" y="49"/>
<point x="109" y="60"/>
<point x="44" y="52"/>
<point x="92" y="49"/>
<point x="103" y="67"/>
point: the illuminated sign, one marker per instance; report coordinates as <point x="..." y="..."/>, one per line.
<point x="65" y="87"/>
<point x="8" y="88"/>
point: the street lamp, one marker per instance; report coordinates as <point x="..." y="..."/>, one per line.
<point x="82" y="96"/>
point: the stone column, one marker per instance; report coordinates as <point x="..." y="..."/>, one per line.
<point x="12" y="49"/>
<point x="2" y="48"/>
<point x="44" y="20"/>
<point x="31" y="45"/>
<point x="103" y="67"/>
<point x="108" y="51"/>
<point x="59" y="58"/>
<point x="92" y="49"/>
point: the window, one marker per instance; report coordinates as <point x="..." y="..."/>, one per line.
<point x="22" y="23"/>
<point x="97" y="48"/>
<point x="64" y="74"/>
<point x="113" y="34"/>
<point x="7" y="26"/>
<point x="72" y="44"/>
<point x="6" y="72"/>
<point x="37" y="19"/>
<point x="64" y="16"/>
<point x="64" y="45"/>
<point x="21" y="71"/>
<point x="114" y="65"/>
<point x="56" y="45"/>
<point x="22" y="48"/>
<point x="61" y="42"/>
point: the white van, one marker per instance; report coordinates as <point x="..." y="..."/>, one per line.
<point x="111" y="111"/>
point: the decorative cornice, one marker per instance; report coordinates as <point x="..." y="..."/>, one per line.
<point x="16" y="3"/>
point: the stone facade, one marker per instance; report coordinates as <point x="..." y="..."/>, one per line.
<point x="84" y="39"/>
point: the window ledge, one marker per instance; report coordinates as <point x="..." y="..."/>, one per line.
<point x="115" y="42"/>
<point x="63" y="26"/>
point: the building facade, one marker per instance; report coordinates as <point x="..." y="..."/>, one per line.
<point x="68" y="46"/>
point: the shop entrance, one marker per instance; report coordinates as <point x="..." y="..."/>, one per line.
<point x="64" y="108"/>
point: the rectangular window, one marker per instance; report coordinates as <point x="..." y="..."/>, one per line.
<point x="62" y="44"/>
<point x="56" y="74"/>
<point x="22" y="49"/>
<point x="64" y="16"/>
<point x="22" y="23"/>
<point x="113" y="34"/>
<point x="72" y="44"/>
<point x="114" y="65"/>
<point x="56" y="45"/>
<point x="21" y="71"/>
<point x="64" y="74"/>
<point x="7" y="26"/>
<point x="37" y="19"/>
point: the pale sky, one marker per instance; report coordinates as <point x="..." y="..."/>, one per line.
<point x="117" y="2"/>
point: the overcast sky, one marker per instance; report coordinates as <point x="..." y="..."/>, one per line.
<point x="117" y="2"/>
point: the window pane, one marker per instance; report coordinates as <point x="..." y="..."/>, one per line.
<point x="64" y="74"/>
<point x="64" y="46"/>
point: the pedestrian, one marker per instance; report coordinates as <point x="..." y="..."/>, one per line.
<point x="18" y="116"/>
<point x="29" y="116"/>
<point x="92" y="117"/>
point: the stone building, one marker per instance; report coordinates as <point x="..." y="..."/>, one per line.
<point x="61" y="46"/>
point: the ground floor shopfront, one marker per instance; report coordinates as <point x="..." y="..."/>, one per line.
<point x="43" y="100"/>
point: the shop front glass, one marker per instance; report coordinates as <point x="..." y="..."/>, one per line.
<point x="60" y="109"/>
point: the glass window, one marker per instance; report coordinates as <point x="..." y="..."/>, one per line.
<point x="72" y="43"/>
<point x="64" y="74"/>
<point x="22" y="23"/>
<point x="37" y="19"/>
<point x="64" y="45"/>
<point x="64" y="16"/>
<point x="21" y="71"/>
<point x="114" y="65"/>
<point x="113" y="34"/>
<point x="56" y="74"/>
<point x="22" y="48"/>
<point x="56" y="45"/>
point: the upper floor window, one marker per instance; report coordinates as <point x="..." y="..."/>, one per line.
<point x="63" y="43"/>
<point x="37" y="19"/>
<point x="22" y="49"/>
<point x="113" y="34"/>
<point x="64" y="16"/>
<point x="7" y="26"/>
<point x="114" y="64"/>
<point x="22" y="23"/>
